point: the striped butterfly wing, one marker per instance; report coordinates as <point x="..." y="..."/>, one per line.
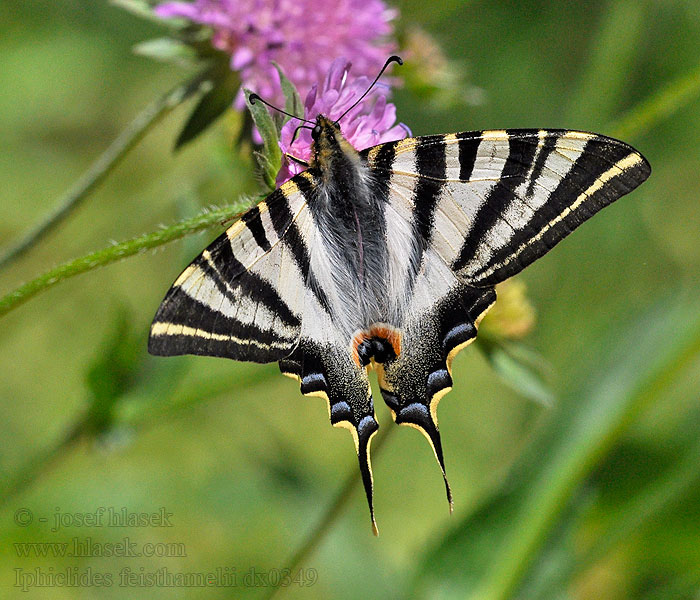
<point x="465" y="212"/>
<point x="322" y="361"/>
<point x="254" y="294"/>
<point x="243" y="296"/>
<point x="490" y="203"/>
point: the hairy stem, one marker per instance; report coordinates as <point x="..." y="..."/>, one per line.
<point x="105" y="164"/>
<point x="117" y="252"/>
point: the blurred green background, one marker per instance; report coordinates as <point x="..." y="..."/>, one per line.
<point x="597" y="496"/>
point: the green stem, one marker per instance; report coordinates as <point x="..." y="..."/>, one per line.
<point x="117" y="252"/>
<point x="105" y="164"/>
<point x="661" y="105"/>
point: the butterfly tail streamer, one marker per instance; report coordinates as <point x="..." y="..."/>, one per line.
<point x="418" y="415"/>
<point x="430" y="342"/>
<point x="365" y="431"/>
<point x="327" y="372"/>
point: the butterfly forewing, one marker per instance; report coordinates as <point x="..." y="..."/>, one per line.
<point x="490" y="203"/>
<point x="243" y="297"/>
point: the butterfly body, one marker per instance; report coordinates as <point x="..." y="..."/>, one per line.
<point x="388" y="258"/>
<point x="348" y="211"/>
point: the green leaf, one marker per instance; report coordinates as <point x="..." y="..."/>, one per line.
<point x="292" y="101"/>
<point x="270" y="159"/>
<point x="143" y="9"/>
<point x="488" y="554"/>
<point x="265" y="168"/>
<point x="214" y="103"/>
<point x="520" y="368"/>
<point x="113" y="372"/>
<point x="167" y="49"/>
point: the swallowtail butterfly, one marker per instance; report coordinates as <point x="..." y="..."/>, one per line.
<point x="387" y="259"/>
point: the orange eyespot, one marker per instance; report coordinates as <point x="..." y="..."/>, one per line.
<point x="379" y="343"/>
<point x="388" y="333"/>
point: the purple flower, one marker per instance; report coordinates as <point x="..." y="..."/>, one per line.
<point x="371" y="122"/>
<point x="302" y="36"/>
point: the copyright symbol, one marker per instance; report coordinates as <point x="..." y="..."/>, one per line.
<point x="23" y="517"/>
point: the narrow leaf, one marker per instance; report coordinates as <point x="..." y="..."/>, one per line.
<point x="661" y="105"/>
<point x="112" y="372"/>
<point x="169" y="50"/>
<point x="214" y="103"/>
<point x="613" y="56"/>
<point x="292" y="101"/>
<point x="267" y="129"/>
<point x="143" y="9"/>
<point x="520" y="368"/>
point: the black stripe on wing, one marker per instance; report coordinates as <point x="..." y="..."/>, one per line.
<point x="254" y="223"/>
<point x="548" y="147"/>
<point x="295" y="242"/>
<point x="468" y="146"/>
<point x="195" y="328"/>
<point x="521" y="153"/>
<point x="229" y="273"/>
<point x="431" y="166"/>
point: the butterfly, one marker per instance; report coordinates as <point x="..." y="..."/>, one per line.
<point x="387" y="259"/>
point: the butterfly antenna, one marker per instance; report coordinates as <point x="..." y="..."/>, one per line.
<point x="254" y="97"/>
<point x="294" y="136"/>
<point x="391" y="59"/>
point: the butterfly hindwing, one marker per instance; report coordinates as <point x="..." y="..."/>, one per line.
<point x="325" y="368"/>
<point x="413" y="382"/>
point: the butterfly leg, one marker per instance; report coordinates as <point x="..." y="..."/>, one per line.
<point x="330" y="373"/>
<point x="413" y="382"/>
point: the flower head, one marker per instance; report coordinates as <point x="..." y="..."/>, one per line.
<point x="371" y="122"/>
<point x="302" y="36"/>
<point x="513" y="317"/>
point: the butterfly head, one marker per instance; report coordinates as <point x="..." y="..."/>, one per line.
<point x="329" y="146"/>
